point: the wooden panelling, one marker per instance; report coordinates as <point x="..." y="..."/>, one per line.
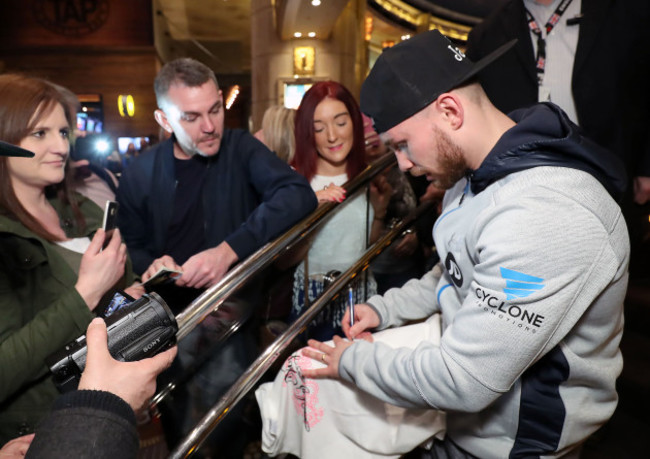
<point x="77" y="23"/>
<point x="106" y="72"/>
<point x="89" y="46"/>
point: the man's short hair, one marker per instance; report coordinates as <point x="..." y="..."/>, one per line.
<point x="186" y="71"/>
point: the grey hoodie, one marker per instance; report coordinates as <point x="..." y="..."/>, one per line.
<point x="534" y="253"/>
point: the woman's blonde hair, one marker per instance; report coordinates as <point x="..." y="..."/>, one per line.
<point x="277" y="126"/>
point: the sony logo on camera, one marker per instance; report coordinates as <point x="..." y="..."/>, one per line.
<point x="141" y="329"/>
<point x="151" y="345"/>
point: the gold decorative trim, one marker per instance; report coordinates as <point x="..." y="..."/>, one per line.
<point x="416" y="17"/>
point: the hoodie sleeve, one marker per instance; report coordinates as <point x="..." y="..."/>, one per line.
<point x="573" y="259"/>
<point x="413" y="301"/>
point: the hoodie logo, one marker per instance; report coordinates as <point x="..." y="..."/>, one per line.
<point x="453" y="270"/>
<point x="520" y="285"/>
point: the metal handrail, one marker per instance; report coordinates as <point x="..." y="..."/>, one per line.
<point x="210" y="300"/>
<point x="202" y="306"/>
<point x="252" y="375"/>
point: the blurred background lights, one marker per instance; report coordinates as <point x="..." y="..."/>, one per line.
<point x="232" y="96"/>
<point x="102" y="146"/>
<point x="126" y="105"/>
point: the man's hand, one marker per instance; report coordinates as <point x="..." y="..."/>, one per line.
<point x="163" y="262"/>
<point x="641" y="190"/>
<point x="134" y="382"/>
<point x="365" y="319"/>
<point x="380" y="194"/>
<point x="432" y="193"/>
<point x="406" y="246"/>
<point x="135" y="291"/>
<point x="16" y="448"/>
<point x="208" y="267"/>
<point x="328" y="355"/>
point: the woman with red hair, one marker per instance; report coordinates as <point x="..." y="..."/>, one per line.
<point x="330" y="151"/>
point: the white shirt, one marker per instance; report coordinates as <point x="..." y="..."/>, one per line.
<point x="343" y="238"/>
<point x="561" y="46"/>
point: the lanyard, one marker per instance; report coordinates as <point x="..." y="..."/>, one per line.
<point x="541" y="42"/>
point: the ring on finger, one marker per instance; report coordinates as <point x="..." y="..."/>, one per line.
<point x="322" y="357"/>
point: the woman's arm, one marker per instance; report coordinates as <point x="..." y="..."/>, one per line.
<point x="29" y="331"/>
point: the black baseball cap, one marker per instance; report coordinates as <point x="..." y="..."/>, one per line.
<point x="7" y="149"/>
<point x="412" y="74"/>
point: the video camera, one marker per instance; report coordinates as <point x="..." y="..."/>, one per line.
<point x="139" y="330"/>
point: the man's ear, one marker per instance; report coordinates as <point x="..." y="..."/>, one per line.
<point x="451" y="109"/>
<point x="161" y="119"/>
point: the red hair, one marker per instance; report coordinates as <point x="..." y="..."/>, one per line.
<point x="304" y="160"/>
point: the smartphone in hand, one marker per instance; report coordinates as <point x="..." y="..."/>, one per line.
<point x="110" y="221"/>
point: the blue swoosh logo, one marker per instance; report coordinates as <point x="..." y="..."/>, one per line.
<point x="520" y="285"/>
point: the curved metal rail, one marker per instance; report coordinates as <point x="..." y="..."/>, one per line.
<point x="252" y="375"/>
<point x="214" y="296"/>
<point x="210" y="300"/>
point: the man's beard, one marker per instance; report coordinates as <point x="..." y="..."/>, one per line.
<point x="192" y="148"/>
<point x="451" y="161"/>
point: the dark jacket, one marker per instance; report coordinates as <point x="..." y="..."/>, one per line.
<point x="609" y="86"/>
<point x="86" y="423"/>
<point x="40" y="312"/>
<point x="250" y="196"/>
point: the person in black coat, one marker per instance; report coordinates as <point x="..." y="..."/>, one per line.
<point x="608" y="83"/>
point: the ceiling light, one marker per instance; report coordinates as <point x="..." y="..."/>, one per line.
<point x="315" y="2"/>
<point x="312" y="34"/>
<point x="232" y="96"/>
<point x="297" y="34"/>
<point x="368" y="26"/>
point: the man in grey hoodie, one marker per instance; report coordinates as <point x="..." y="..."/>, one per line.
<point x="534" y="255"/>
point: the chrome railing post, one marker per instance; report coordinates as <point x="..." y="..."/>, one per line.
<point x="252" y="375"/>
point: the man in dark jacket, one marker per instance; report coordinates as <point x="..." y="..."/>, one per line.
<point x="207" y="197"/>
<point x="199" y="202"/>
<point x="599" y="47"/>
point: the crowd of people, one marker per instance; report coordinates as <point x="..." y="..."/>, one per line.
<point x="504" y="344"/>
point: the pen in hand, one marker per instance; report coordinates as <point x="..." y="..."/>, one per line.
<point x="351" y="305"/>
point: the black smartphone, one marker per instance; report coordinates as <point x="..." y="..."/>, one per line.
<point x="110" y="221"/>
